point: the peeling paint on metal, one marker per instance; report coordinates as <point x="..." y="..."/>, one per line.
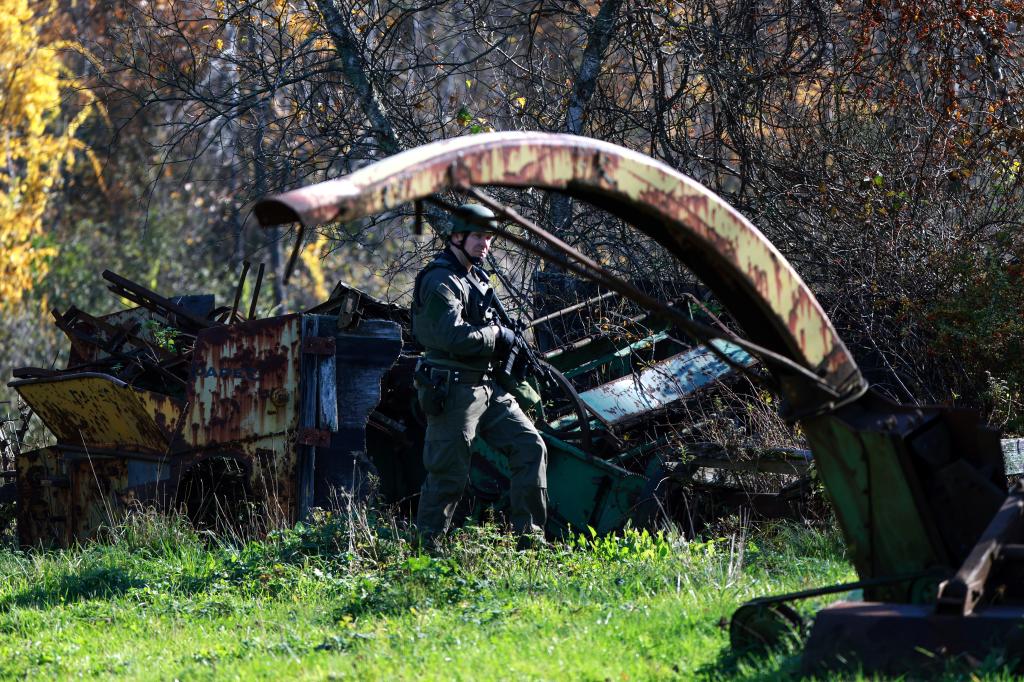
<point x="738" y="262"/>
<point x="661" y="384"/>
<point x="244" y="381"/>
<point x="97" y="410"/>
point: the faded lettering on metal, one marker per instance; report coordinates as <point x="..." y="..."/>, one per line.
<point x="242" y="377"/>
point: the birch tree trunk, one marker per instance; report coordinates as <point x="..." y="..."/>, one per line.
<point x="585" y="85"/>
<point x="356" y="72"/>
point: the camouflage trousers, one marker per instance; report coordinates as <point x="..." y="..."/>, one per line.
<point x="492" y="412"/>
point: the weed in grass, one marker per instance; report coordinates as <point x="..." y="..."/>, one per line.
<point x="159" y="600"/>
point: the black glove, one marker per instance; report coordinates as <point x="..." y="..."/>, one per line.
<point x="521" y="364"/>
<point x="504" y="342"/>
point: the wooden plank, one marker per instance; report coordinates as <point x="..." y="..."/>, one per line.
<point x="308" y="408"/>
<point x="327" y="386"/>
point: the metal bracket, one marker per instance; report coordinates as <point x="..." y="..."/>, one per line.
<point x="318" y="345"/>
<point x="317" y="438"/>
<point x="961" y="594"/>
<point x="348" y="309"/>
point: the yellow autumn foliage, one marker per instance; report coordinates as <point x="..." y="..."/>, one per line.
<point x="311" y="259"/>
<point x="32" y="151"/>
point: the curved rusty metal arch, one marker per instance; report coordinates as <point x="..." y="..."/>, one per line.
<point x="731" y="256"/>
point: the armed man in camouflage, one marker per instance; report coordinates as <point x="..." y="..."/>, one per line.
<point x="459" y="388"/>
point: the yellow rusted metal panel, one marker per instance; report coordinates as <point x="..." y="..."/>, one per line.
<point x="99" y="411"/>
<point x="733" y="258"/>
<point x="273" y="477"/>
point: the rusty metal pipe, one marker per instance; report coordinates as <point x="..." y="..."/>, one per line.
<point x="238" y="291"/>
<point x="586" y="341"/>
<point x="565" y="311"/>
<point x="294" y="258"/>
<point x="256" y="291"/>
<point x="588" y="268"/>
<point x="150" y="299"/>
<point x="747" y="273"/>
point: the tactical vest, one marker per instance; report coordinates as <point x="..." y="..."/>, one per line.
<point x="473" y="294"/>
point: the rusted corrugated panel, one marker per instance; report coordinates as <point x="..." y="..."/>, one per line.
<point x="733" y="258"/>
<point x="273" y="476"/>
<point x="244" y="395"/>
<point x="244" y="381"/>
<point x="97" y="410"/>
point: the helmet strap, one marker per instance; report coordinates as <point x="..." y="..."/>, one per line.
<point x="461" y="246"/>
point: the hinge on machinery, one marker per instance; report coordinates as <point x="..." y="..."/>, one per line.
<point x="318" y="345"/>
<point x="317" y="438"/>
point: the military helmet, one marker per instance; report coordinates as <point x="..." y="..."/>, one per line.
<point x="458" y="222"/>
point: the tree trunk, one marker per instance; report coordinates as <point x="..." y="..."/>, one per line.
<point x="356" y="72"/>
<point x="583" y="91"/>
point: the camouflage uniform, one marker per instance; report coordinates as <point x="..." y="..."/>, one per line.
<point x="459" y="335"/>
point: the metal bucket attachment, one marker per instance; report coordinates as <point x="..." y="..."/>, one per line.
<point x="99" y="412"/>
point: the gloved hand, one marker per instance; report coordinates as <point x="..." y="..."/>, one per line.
<point x="520" y="366"/>
<point x="504" y="342"/>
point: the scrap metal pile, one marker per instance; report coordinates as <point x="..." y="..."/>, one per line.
<point x="178" y="403"/>
<point x="919" y="493"/>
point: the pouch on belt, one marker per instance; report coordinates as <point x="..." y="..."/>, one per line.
<point x="432" y="387"/>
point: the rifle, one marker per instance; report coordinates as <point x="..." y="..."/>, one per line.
<point x="522" y="359"/>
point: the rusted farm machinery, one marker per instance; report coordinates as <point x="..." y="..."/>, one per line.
<point x="177" y="403"/>
<point x="289" y="410"/>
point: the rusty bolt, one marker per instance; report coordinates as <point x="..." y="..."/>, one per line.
<point x="279" y="396"/>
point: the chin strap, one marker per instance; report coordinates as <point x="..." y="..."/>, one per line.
<point x="462" y="247"/>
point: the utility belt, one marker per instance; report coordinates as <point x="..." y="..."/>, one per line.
<point x="434" y="382"/>
<point x="452" y="375"/>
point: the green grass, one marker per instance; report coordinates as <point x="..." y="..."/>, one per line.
<point x="337" y="601"/>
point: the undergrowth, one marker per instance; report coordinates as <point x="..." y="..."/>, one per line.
<point x="352" y="598"/>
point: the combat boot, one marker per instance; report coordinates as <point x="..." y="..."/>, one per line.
<point x="431" y="544"/>
<point x="531" y="538"/>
